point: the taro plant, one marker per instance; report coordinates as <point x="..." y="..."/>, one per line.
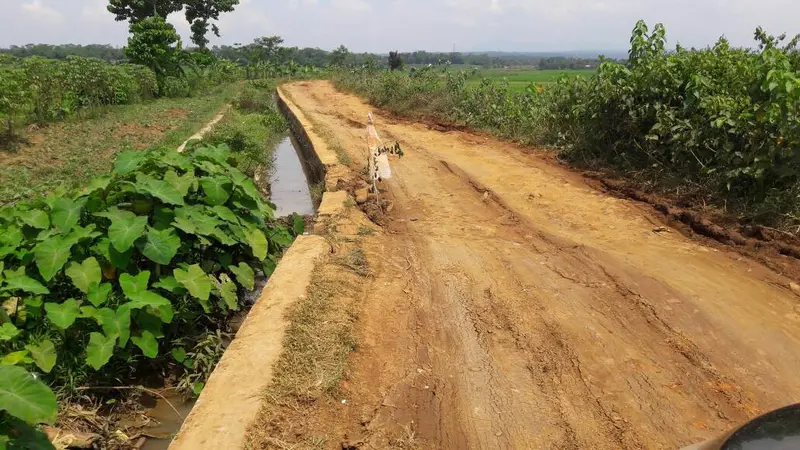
<point x="97" y="284"/>
<point x="24" y="403"/>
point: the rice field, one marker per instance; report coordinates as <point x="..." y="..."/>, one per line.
<point x="519" y="79"/>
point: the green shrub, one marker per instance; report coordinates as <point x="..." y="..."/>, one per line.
<point x="722" y="123"/>
<point x="121" y="277"/>
<point x="174" y="87"/>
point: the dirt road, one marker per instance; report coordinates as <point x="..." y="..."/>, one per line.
<point x="512" y="306"/>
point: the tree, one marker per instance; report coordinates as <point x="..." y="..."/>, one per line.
<point x="137" y="10"/>
<point x="339" y="56"/>
<point x="198" y="13"/>
<point x="265" y="48"/>
<point x="155" y="43"/>
<point x="395" y="61"/>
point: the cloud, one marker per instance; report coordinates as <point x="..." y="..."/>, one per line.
<point x="436" y="25"/>
<point x="40" y="12"/>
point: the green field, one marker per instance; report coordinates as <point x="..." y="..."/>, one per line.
<point x="519" y="79"/>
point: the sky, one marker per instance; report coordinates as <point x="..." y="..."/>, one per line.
<point x="433" y="25"/>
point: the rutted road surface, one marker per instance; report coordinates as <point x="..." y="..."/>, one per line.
<point x="512" y="306"/>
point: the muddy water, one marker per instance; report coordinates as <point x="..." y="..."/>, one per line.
<point x="168" y="421"/>
<point x="290" y="191"/>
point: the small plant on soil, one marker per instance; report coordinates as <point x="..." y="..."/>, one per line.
<point x="121" y="279"/>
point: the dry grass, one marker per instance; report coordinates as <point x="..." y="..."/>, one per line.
<point x="366" y="231"/>
<point x="317" y="345"/>
<point x="333" y="142"/>
<point x="356" y="261"/>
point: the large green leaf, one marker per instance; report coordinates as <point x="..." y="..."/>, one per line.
<point x="125" y="230"/>
<point x="217" y="189"/>
<point x="80" y="233"/>
<point x="25" y="283"/>
<point x="181" y="183"/>
<point x="147" y="342"/>
<point x="195" y="280"/>
<point x="8" y="332"/>
<point x="114" y="213"/>
<point x="163" y="217"/>
<point x="51" y="255"/>
<point x="244" y="275"/>
<point x="115" y="323"/>
<point x="160" y="246"/>
<point x="225" y="214"/>
<point x="66" y="212"/>
<point x="98" y="293"/>
<point x="16" y="358"/>
<point x="36" y="218"/>
<point x="25" y="397"/>
<point x="132" y="285"/>
<point x="218" y="154"/>
<point x="169" y="284"/>
<point x="127" y="162"/>
<point x="159" y="189"/>
<point x="100" y="349"/>
<point x="28" y="437"/>
<point x="43" y="354"/>
<point x="62" y="315"/>
<point x="97" y="183"/>
<point x="257" y="241"/>
<point x="11" y="236"/>
<point x="155" y="303"/>
<point x="226" y="290"/>
<point x="185" y="224"/>
<point x="85" y="274"/>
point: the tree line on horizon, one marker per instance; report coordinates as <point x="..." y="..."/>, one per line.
<point x="313" y="56"/>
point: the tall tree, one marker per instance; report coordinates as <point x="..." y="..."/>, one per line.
<point x="265" y="48"/>
<point x="198" y="13"/>
<point x="136" y="10"/>
<point x="339" y="56"/>
<point x="395" y="61"/>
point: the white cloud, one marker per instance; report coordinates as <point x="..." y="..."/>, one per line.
<point x="40" y="12"/>
<point x="436" y="25"/>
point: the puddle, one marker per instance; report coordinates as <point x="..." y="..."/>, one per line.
<point x="290" y="191"/>
<point x="169" y="421"/>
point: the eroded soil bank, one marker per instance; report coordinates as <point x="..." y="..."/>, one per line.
<point x="510" y="305"/>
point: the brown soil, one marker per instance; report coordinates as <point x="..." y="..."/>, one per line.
<point x="511" y="305"/>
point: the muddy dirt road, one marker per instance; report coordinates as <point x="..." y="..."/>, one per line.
<point x="512" y="306"/>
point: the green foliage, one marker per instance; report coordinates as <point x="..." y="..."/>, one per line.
<point x="338" y="57"/>
<point x="395" y="61"/>
<point x="155" y="43"/>
<point x="198" y="13"/>
<point x="46" y="89"/>
<point x="118" y="272"/>
<point x="720" y="123"/>
<point x="251" y="130"/>
<point x="27" y="402"/>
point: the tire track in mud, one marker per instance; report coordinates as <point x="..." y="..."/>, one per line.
<point x="508" y="312"/>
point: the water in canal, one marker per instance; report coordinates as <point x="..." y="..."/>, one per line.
<point x="290" y="190"/>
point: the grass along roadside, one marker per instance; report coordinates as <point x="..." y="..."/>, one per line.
<point x="317" y="344"/>
<point x="71" y="153"/>
<point x="252" y="129"/>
